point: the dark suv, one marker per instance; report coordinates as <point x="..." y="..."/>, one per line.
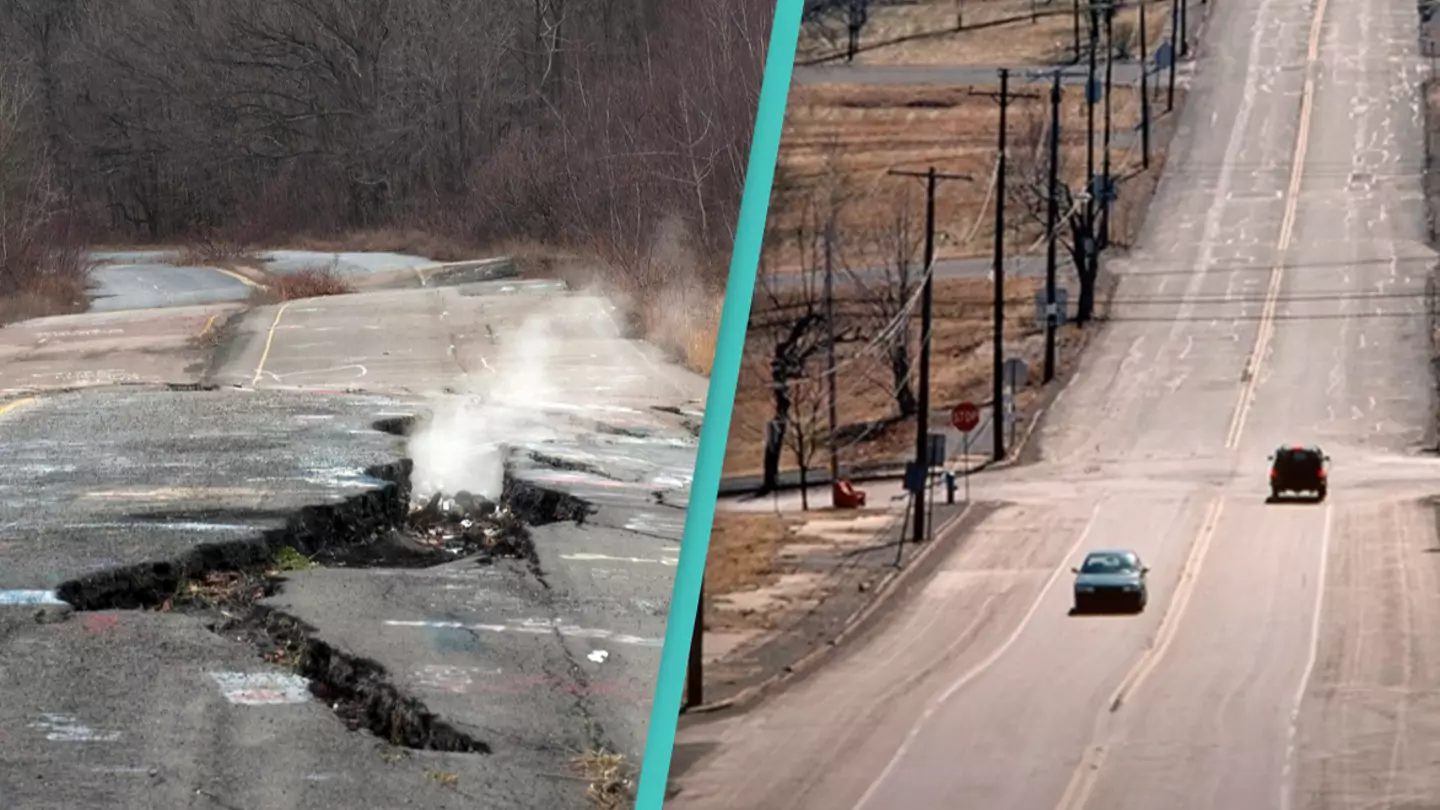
<point x="1298" y="469"/>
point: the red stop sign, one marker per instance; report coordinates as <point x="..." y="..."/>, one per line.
<point x="965" y="417"/>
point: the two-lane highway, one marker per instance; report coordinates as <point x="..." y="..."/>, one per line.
<point x="1276" y="296"/>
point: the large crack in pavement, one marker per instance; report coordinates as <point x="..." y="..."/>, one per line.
<point x="224" y="583"/>
<point x="247" y="526"/>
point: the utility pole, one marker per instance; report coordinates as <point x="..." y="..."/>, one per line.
<point x="1109" y="11"/>
<point x="927" y="297"/>
<point x="1090" y="86"/>
<point x="1184" y="27"/>
<point x="1075" y="15"/>
<point x="1144" y="92"/>
<point x="1174" y="54"/>
<point x="997" y="423"/>
<point x="1052" y="225"/>
<point x="830" y="351"/>
<point x="695" y="672"/>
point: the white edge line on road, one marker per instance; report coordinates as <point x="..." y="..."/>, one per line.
<point x="979" y="669"/>
<point x="1287" y="778"/>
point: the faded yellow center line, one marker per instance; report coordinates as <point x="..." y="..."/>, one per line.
<point x="1087" y="773"/>
<point x="269" y="340"/>
<point x="247" y="281"/>
<point x="1287" y="233"/>
<point x="14" y="404"/>
<point x="208" y="324"/>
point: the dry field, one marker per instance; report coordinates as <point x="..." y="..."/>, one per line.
<point x="991" y="32"/>
<point x="847" y="138"/>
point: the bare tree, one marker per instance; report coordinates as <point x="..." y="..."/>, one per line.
<point x="832" y="20"/>
<point x="806" y="426"/>
<point x="884" y="293"/>
<point x="1080" y="230"/>
<point x="789" y="325"/>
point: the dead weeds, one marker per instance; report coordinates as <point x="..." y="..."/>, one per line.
<point x="610" y="777"/>
<point x="309" y="282"/>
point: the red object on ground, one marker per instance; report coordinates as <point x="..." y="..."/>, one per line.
<point x="846" y="496"/>
<point x="965" y="416"/>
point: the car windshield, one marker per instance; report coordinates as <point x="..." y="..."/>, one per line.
<point x="1108" y="564"/>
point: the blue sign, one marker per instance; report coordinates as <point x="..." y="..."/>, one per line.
<point x="1094" y="91"/>
<point x="1164" y="56"/>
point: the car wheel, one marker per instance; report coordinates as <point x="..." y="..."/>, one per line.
<point x="1080" y="605"/>
<point x="1140" y="603"/>
<point x="1320" y="494"/>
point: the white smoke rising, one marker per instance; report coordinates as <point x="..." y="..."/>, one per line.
<point x="463" y="447"/>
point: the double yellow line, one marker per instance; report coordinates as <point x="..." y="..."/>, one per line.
<point x="1092" y="760"/>
<point x="1087" y="773"/>
<point x="1287" y="234"/>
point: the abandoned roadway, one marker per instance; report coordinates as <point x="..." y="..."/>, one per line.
<point x="1277" y="295"/>
<point x="530" y="663"/>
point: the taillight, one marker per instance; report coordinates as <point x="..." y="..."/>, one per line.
<point x="1322" y="473"/>
<point x="1272" y="473"/>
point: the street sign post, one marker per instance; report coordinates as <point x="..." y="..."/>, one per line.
<point x="965" y="417"/>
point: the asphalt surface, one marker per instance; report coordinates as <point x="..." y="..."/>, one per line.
<point x="1285" y="659"/>
<point x="136" y="284"/>
<point x="107" y="468"/>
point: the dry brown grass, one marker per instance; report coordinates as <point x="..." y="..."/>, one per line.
<point x="960" y="370"/>
<point x="859" y="133"/>
<point x="996" y="32"/>
<point x="610" y="777"/>
<point x="743" y="546"/>
<point x="876" y="128"/>
<point x="310" y="282"/>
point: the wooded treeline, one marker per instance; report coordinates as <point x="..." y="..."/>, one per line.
<point x="584" y="123"/>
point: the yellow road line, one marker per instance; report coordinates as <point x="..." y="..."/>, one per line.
<point x="1087" y="773"/>
<point x="208" y="324"/>
<point x="13" y="404"/>
<point x="1287" y="232"/>
<point x="269" y="339"/>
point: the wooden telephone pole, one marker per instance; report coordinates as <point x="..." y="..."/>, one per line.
<point x="922" y="418"/>
<point x="997" y="422"/>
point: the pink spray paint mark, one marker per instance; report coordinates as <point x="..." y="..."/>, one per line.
<point x="100" y="622"/>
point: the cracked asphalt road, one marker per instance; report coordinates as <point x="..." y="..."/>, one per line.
<point x="124" y="708"/>
<point x="1277" y="295"/>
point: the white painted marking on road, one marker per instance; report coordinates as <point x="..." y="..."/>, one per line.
<point x="585" y="557"/>
<point x="29" y="598"/>
<point x="979" y="669"/>
<point x="1287" y="785"/>
<point x="598" y="656"/>
<point x="65" y="728"/>
<point x="536" y="627"/>
<point x="262" y="688"/>
<point x="176" y="526"/>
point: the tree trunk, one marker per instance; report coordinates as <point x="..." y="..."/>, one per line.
<point x="775" y="437"/>
<point x="900" y="373"/>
